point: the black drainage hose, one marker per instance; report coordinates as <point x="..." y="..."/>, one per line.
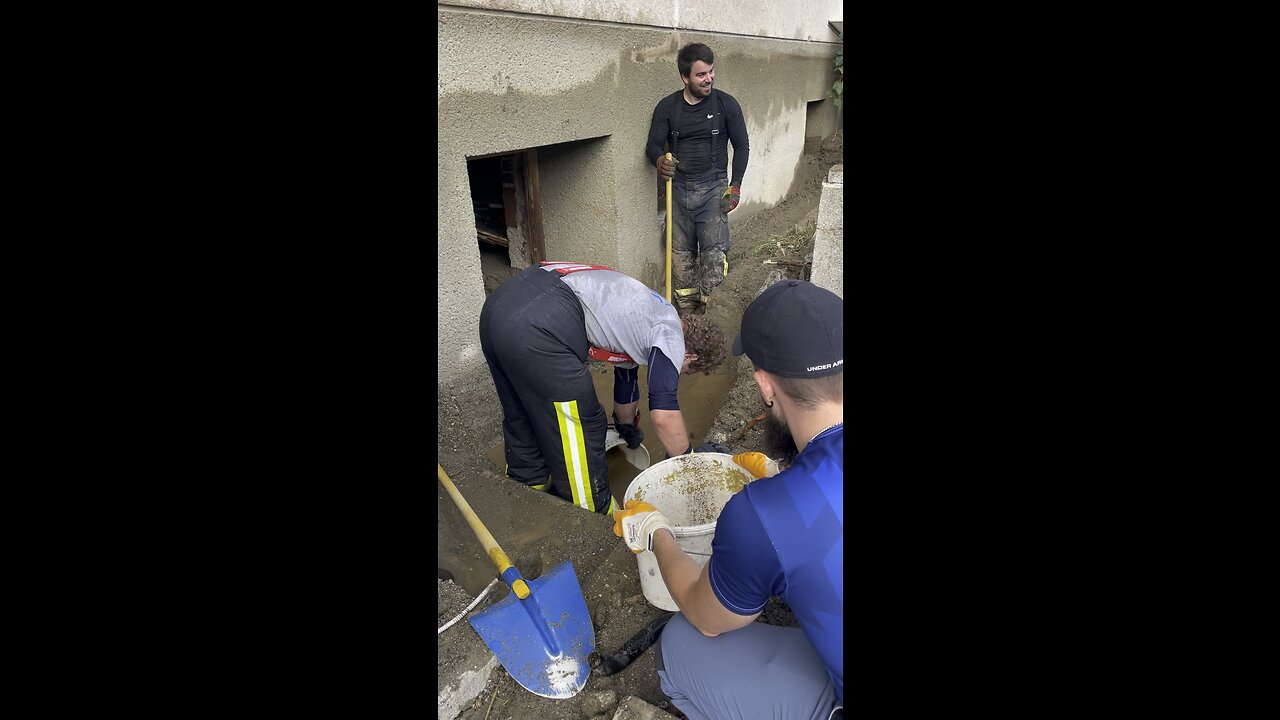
<point x="633" y="648"/>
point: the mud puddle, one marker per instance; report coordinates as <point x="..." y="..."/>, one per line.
<point x="701" y="397"/>
<point x="621" y="471"/>
<point x="458" y="557"/>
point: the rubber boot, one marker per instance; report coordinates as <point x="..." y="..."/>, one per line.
<point x="687" y="302"/>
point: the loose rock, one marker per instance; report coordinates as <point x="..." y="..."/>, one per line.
<point x="633" y="708"/>
<point x="598" y="701"/>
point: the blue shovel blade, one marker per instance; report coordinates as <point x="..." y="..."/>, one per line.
<point x="543" y="641"/>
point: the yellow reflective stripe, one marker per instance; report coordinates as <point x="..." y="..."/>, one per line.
<point x="543" y="486"/>
<point x="686" y="292"/>
<point x="613" y="504"/>
<point x="575" y="454"/>
<point x="726" y="264"/>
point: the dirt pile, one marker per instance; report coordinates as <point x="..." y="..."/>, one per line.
<point x="773" y="245"/>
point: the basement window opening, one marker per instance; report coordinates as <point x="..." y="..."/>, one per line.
<point x="504" y="202"/>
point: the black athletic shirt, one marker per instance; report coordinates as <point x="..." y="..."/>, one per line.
<point x="705" y="128"/>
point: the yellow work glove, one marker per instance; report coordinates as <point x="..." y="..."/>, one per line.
<point x="758" y="464"/>
<point x="637" y="523"/>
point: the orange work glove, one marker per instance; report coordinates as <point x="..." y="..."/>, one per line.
<point x="637" y="523"/>
<point x="758" y="464"/>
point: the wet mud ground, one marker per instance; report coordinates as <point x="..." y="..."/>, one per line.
<point x="725" y="406"/>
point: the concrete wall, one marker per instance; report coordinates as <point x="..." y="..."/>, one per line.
<point x="579" y="217"/>
<point x="513" y="77"/>
<point x="805" y="20"/>
<point x="828" y="242"/>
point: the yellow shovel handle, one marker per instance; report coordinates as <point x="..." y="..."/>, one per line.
<point x="668" y="236"/>
<point x="496" y="555"/>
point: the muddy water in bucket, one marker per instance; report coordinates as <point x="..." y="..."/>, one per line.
<point x="700" y="396"/>
<point x="621" y="472"/>
<point x="690" y="490"/>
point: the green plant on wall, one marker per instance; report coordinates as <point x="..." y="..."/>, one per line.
<point x="837" y="88"/>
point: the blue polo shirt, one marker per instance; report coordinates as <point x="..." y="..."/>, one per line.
<point x="784" y="536"/>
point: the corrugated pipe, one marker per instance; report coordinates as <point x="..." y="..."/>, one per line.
<point x="475" y="602"/>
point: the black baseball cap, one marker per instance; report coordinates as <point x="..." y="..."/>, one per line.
<point x="794" y="329"/>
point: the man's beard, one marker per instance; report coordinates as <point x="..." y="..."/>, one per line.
<point x="778" y="442"/>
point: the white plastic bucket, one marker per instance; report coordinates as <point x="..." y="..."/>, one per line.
<point x="639" y="457"/>
<point x="690" y="490"/>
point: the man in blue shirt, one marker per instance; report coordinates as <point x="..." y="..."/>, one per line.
<point x="780" y="536"/>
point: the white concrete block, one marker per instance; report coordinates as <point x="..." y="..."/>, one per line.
<point x="828" y="262"/>
<point x="828" y="243"/>
<point x="633" y="708"/>
<point x="460" y="690"/>
<point x="831" y="207"/>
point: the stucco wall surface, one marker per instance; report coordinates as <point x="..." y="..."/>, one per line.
<point x="579" y="217"/>
<point x="583" y="93"/>
<point x="805" y="20"/>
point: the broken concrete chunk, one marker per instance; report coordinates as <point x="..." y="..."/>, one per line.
<point x="464" y="663"/>
<point x="456" y="690"/>
<point x="633" y="708"/>
<point x="598" y="701"/>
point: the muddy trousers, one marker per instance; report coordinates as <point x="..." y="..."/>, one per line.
<point x="534" y="338"/>
<point x="699" y="236"/>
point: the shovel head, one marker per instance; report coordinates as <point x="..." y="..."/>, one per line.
<point x="543" y="641"/>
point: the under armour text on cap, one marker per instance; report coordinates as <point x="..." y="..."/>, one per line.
<point x="794" y="329"/>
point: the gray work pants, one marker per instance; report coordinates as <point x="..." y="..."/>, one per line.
<point x="699" y="235"/>
<point x="759" y="671"/>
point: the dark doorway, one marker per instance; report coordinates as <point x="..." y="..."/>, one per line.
<point x="506" y="203"/>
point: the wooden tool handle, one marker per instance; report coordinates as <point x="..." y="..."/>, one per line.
<point x="499" y="558"/>
<point x="668" y="236"/>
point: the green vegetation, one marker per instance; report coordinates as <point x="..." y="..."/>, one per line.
<point x="792" y="242"/>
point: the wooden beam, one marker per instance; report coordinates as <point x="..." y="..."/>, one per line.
<point x="509" y="204"/>
<point x="491" y="238"/>
<point x="533" y="206"/>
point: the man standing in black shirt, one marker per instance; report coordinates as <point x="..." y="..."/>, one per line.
<point x="697" y="124"/>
